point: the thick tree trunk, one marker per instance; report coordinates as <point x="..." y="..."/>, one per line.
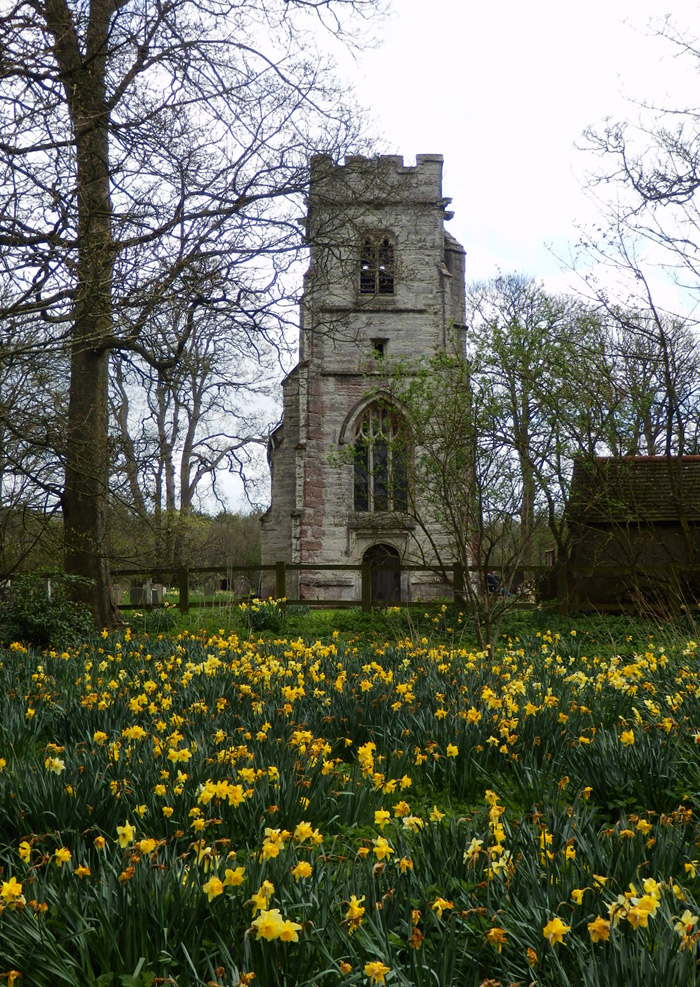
<point x="85" y="498"/>
<point x="86" y="493"/>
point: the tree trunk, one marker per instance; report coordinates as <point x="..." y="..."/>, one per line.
<point x="85" y="498"/>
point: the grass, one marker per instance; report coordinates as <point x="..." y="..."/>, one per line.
<point x="351" y="800"/>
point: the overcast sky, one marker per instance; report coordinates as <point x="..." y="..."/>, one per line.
<point x="504" y="90"/>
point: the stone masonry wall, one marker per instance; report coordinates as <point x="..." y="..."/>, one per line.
<point x="311" y="518"/>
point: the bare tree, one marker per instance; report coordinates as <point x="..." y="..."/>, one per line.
<point x="648" y="175"/>
<point x="32" y="417"/>
<point x="453" y="478"/>
<point x="543" y="358"/>
<point x="177" y="429"/>
<point x="150" y="152"/>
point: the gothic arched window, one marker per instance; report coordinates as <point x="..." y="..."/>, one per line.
<point x="377" y="265"/>
<point x="381" y="461"/>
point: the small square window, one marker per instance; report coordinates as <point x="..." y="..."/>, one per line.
<point x="379" y="348"/>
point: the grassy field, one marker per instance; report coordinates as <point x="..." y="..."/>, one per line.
<point x="346" y="801"/>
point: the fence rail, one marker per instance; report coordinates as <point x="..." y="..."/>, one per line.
<point x="181" y="576"/>
<point x="557" y="585"/>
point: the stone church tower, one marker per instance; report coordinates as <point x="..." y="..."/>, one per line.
<point x="385" y="281"/>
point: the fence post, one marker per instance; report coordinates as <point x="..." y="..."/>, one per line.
<point x="562" y="590"/>
<point x="183" y="578"/>
<point x="366" y="588"/>
<point x="458" y="584"/>
<point x="280" y="580"/>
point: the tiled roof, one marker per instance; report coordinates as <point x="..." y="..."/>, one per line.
<point x="618" y="490"/>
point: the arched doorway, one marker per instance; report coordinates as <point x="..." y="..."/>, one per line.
<point x="385" y="563"/>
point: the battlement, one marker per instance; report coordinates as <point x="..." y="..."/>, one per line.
<point x="383" y="177"/>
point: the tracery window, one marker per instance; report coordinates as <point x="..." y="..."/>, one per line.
<point x="381" y="462"/>
<point x="377" y="265"/>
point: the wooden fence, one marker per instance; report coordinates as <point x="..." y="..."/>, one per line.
<point x="557" y="586"/>
<point x="182" y="577"/>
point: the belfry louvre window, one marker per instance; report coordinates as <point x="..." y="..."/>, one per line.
<point x="381" y="462"/>
<point x="377" y="265"/>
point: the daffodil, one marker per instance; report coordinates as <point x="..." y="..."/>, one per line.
<point x="496" y="937"/>
<point x="382" y="848"/>
<point x="234" y="876"/>
<point x="473" y="850"/>
<point x="261" y="899"/>
<point x="599" y="929"/>
<point x="126" y="834"/>
<point x="555" y="930"/>
<point x="376" y="971"/>
<point x="353" y="915"/>
<point x="381" y="818"/>
<point x="11" y="891"/>
<point x="302" y="869"/>
<point x="440" y="905"/>
<point x="213" y="888"/>
<point x="686" y="923"/>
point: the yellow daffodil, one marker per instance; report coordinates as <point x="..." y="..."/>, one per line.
<point x="213" y="888"/>
<point x="376" y="971"/>
<point x="599" y="929"/>
<point x="381" y="818"/>
<point x="685" y="925"/>
<point x="440" y="905"/>
<point x="555" y="930"/>
<point x="234" y="876"/>
<point x="303" y="831"/>
<point x="11" y="891"/>
<point x="261" y="899"/>
<point x="382" y="849"/>
<point x="126" y="834"/>
<point x="496" y="937"/>
<point x="302" y="869"/>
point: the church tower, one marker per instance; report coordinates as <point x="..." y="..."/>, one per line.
<point x="385" y="282"/>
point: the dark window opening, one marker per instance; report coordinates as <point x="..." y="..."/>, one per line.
<point x="381" y="463"/>
<point x="361" y="478"/>
<point x="379" y="348"/>
<point x="377" y="266"/>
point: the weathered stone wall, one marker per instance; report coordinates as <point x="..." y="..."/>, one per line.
<point x="311" y="518"/>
